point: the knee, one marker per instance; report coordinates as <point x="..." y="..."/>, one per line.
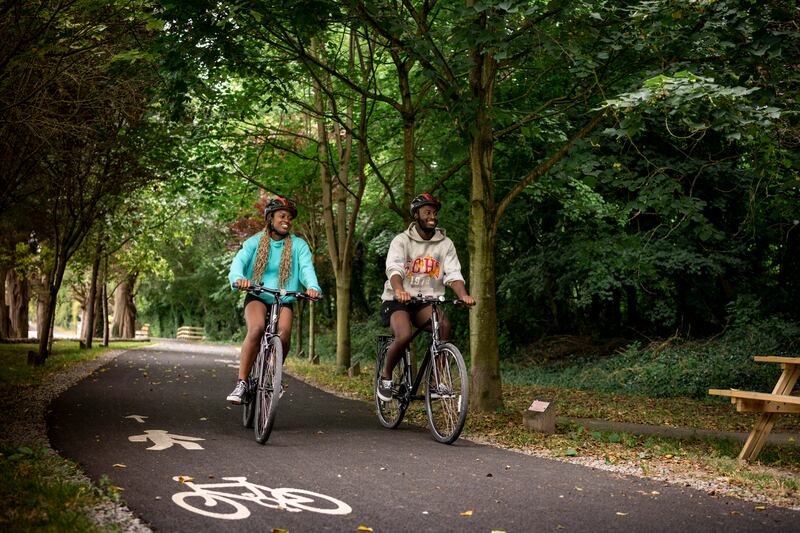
<point x="254" y="335"/>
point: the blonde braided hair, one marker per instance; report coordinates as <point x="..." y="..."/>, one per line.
<point x="262" y="259"/>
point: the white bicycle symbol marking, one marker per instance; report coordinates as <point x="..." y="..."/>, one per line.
<point x="203" y="499"/>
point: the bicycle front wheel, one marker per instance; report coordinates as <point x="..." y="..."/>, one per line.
<point x="390" y="413"/>
<point x="249" y="404"/>
<point x="268" y="392"/>
<point x="447" y="394"/>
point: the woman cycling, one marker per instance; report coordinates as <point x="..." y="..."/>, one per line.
<point x="276" y="259"/>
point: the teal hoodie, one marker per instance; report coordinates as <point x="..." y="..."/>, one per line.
<point x="301" y="277"/>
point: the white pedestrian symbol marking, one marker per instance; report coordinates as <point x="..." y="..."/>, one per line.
<point x="138" y="418"/>
<point x="163" y="440"/>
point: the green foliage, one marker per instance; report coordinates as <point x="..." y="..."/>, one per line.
<point x="39" y="492"/>
<point x="18" y="373"/>
<point x="680" y="369"/>
<point x="689" y="105"/>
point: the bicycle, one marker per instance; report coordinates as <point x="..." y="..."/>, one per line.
<point x="260" y="404"/>
<point x="208" y="498"/>
<point x="446" y="382"/>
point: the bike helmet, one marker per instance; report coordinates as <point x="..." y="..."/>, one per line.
<point x="280" y="204"/>
<point x="424" y="199"/>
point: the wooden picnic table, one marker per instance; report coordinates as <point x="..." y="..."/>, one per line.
<point x="770" y="405"/>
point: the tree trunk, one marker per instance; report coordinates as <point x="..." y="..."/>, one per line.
<point x="311" y="331"/>
<point x="343" y="319"/>
<point x="91" y="310"/>
<point x="485" y="384"/>
<point x="46" y="311"/>
<point x="90" y="306"/>
<point x="106" y="328"/>
<point x="298" y="337"/>
<point x="124" y="309"/>
<point x="17" y="297"/>
<point x="5" y="322"/>
<point x="486" y="390"/>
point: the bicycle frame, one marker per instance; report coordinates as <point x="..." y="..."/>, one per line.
<point x="433" y="349"/>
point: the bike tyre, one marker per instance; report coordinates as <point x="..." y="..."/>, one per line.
<point x="307" y="499"/>
<point x="447" y="416"/>
<point x="249" y="407"/>
<point x="268" y="390"/>
<point x="390" y="414"/>
<point x="239" y="511"/>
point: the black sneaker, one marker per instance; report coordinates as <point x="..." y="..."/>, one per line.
<point x="239" y="393"/>
<point x="384" y="389"/>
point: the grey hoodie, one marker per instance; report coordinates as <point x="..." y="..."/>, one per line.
<point x="425" y="266"/>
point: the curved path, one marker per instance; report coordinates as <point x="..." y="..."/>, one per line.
<point x="155" y="424"/>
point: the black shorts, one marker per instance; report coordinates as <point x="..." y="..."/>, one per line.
<point x="390" y="306"/>
<point x="252" y="298"/>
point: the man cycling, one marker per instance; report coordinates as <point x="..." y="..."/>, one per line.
<point x="421" y="260"/>
<point x="275" y="259"/>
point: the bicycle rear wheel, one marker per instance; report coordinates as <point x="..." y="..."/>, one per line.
<point x="391" y="413"/>
<point x="447" y="394"/>
<point x="269" y="388"/>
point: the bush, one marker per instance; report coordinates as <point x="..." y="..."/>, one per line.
<point x="688" y="369"/>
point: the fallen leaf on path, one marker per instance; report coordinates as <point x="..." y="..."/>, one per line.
<point x="119" y="465"/>
<point x="184" y="479"/>
<point x="363" y="528"/>
<point x="760" y="507"/>
<point x="621" y="514"/>
<point x="466" y="513"/>
<point x="278" y="530"/>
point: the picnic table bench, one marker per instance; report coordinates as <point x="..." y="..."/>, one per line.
<point x="781" y="400"/>
<point x="191" y="333"/>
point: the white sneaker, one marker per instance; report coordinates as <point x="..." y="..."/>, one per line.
<point x="239" y="392"/>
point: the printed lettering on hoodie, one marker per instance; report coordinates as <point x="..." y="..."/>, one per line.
<point x="422" y="270"/>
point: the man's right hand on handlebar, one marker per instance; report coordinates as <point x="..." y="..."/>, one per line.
<point x="402" y="296"/>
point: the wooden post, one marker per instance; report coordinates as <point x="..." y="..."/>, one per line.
<point x="541" y="416"/>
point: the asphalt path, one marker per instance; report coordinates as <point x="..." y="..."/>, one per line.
<point x="155" y="424"/>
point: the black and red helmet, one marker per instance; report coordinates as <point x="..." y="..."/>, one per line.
<point x="280" y="204"/>
<point x="424" y="199"/>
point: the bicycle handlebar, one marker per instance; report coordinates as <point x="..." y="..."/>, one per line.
<point x="280" y="293"/>
<point x="436" y="299"/>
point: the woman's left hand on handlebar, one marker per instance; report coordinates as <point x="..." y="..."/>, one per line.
<point x="242" y="283"/>
<point x="468" y="300"/>
<point x="313" y="293"/>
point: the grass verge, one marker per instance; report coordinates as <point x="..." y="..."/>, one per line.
<point x="709" y="464"/>
<point x="39" y="490"/>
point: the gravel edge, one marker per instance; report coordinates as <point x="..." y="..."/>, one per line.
<point x="24" y="420"/>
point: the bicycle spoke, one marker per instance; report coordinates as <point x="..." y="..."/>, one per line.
<point x="446" y="394"/>
<point x="266" y="399"/>
<point x="390" y="413"/>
